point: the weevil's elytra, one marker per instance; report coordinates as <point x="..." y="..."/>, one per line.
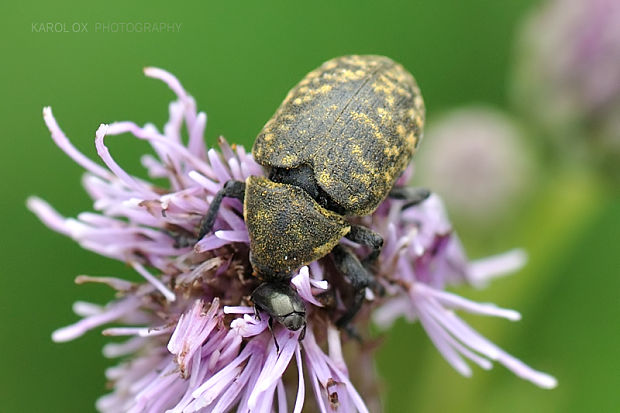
<point x="332" y="150"/>
<point x="356" y="120"/>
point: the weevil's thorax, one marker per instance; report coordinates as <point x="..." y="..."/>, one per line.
<point x="287" y="227"/>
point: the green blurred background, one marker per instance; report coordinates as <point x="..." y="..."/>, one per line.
<point x="238" y="59"/>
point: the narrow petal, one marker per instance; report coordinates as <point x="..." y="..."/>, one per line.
<point x="154" y="281"/>
<point x="48" y="215"/>
<point x="480" y="272"/>
<point x="112" y="312"/>
<point x="104" y="154"/>
<point x="455" y="301"/>
<point x="63" y="143"/>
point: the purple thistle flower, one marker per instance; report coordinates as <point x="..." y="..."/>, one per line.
<point x="574" y="50"/>
<point x="194" y="342"/>
<point x="568" y="76"/>
<point x="477" y="159"/>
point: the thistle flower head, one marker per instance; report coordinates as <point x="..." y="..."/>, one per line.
<point x="575" y="51"/>
<point x="476" y="159"/>
<point x="568" y="75"/>
<point x="194" y="342"/>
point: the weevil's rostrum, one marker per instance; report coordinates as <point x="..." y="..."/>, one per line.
<point x="356" y="120"/>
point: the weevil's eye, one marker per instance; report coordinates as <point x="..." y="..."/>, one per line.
<point x="293" y="321"/>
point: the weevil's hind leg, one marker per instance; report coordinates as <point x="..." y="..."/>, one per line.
<point x="368" y="237"/>
<point x="413" y="196"/>
<point x="359" y="277"/>
<point x="231" y="189"/>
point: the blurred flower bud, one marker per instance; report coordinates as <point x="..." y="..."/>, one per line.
<point x="568" y="75"/>
<point x="476" y="160"/>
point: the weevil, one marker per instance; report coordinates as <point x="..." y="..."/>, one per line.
<point x="332" y="151"/>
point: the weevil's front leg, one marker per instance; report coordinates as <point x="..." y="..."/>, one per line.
<point x="413" y="196"/>
<point x="231" y="189"/>
<point x="359" y="277"/>
<point x="368" y="237"/>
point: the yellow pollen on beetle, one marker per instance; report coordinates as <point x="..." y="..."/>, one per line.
<point x="363" y="178"/>
<point x="417" y="100"/>
<point x="388" y="176"/>
<point x="384" y="85"/>
<point x="330" y="65"/>
<point x="419" y="121"/>
<point x="348" y="75"/>
<point x="324" y="89"/>
<point x="403" y="92"/>
<point x="411" y="139"/>
<point x="391" y="151"/>
<point x="368" y="122"/>
<point x="364" y="119"/>
<point x="284" y="128"/>
<point x="325" y="179"/>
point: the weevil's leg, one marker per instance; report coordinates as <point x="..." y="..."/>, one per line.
<point x="413" y="196"/>
<point x="182" y="237"/>
<point x="269" y="325"/>
<point x="275" y="341"/>
<point x="359" y="277"/>
<point x="182" y="240"/>
<point x="231" y="189"/>
<point x="352" y="332"/>
<point x="366" y="236"/>
<point x="303" y="332"/>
